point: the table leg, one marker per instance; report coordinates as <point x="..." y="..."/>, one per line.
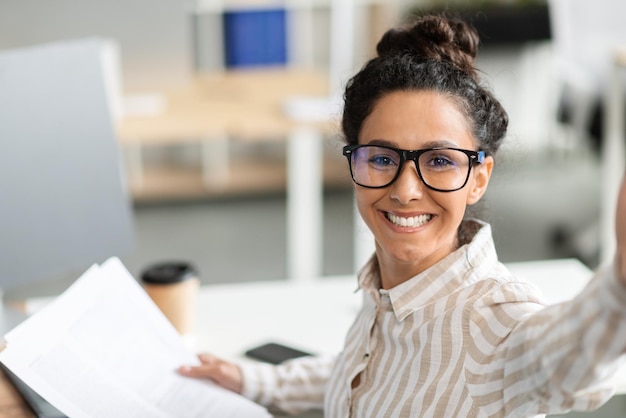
<point x="304" y="204"/>
<point x="613" y="156"/>
<point x="364" y="244"/>
<point x="215" y="162"/>
<point x="135" y="164"/>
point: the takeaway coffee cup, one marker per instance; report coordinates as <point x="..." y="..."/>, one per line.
<point x="173" y="286"/>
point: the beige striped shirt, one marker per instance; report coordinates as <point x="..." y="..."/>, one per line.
<point x="462" y="339"/>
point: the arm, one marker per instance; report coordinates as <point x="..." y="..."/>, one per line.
<point x="552" y="359"/>
<point x="571" y="351"/>
<point x="294" y="386"/>
<point x="578" y="345"/>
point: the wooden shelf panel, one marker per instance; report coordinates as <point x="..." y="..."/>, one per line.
<point x="167" y="183"/>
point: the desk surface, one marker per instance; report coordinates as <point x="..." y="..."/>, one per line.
<point x="11" y="404"/>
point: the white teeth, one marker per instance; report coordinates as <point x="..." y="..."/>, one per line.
<point x="413" y="221"/>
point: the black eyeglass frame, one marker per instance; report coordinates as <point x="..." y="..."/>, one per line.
<point x="475" y="158"/>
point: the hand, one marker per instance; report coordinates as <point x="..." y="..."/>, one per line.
<point x="620" y="230"/>
<point x="222" y="372"/>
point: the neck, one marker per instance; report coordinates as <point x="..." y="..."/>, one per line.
<point x="393" y="273"/>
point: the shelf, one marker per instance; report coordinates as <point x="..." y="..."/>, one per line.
<point x="245" y="178"/>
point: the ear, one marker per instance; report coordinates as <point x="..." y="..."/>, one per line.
<point x="480" y="180"/>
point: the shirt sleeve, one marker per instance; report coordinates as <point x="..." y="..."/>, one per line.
<point x="558" y="358"/>
<point x="294" y="386"/>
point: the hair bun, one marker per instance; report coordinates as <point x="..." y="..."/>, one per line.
<point x="434" y="37"/>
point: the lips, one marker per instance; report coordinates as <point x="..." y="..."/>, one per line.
<point x="410" y="221"/>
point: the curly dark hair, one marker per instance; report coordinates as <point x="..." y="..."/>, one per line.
<point x="432" y="52"/>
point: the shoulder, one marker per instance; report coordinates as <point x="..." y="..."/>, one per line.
<point x="505" y="296"/>
<point x="505" y="287"/>
<point x="493" y="282"/>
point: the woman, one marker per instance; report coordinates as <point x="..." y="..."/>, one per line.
<point x="445" y="330"/>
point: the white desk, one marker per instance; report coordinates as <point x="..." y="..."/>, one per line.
<point x="312" y="316"/>
<point x="315" y="316"/>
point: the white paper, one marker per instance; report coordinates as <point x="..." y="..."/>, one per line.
<point x="103" y="349"/>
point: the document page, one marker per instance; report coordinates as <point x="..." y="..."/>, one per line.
<point x="103" y="349"/>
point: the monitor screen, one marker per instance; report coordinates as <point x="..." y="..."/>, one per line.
<point x="63" y="200"/>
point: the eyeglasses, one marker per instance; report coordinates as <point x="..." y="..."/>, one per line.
<point x="440" y="169"/>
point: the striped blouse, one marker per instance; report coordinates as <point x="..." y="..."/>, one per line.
<point x="462" y="339"/>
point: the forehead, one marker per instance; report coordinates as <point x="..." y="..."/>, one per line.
<point x="417" y="119"/>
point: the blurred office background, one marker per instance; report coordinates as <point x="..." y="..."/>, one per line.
<point x="545" y="197"/>
<point x="543" y="202"/>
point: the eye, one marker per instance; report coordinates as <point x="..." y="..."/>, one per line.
<point x="382" y="161"/>
<point x="441" y="160"/>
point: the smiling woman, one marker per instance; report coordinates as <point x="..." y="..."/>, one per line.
<point x="445" y="330"/>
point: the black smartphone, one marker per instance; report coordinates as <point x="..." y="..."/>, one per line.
<point x="275" y="353"/>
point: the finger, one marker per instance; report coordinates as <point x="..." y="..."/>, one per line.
<point x="195" y="371"/>
<point x="224" y="373"/>
<point x="207" y="361"/>
<point x="206" y="358"/>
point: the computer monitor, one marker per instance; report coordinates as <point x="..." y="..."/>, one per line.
<point x="63" y="200"/>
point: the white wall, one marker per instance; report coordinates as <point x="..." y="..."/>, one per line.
<point x="154" y="35"/>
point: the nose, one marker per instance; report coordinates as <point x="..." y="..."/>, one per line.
<point x="408" y="186"/>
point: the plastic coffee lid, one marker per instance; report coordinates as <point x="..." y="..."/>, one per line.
<point x="167" y="273"/>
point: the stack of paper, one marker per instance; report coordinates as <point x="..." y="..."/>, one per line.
<point x="103" y="349"/>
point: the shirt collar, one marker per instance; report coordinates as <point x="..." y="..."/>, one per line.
<point x="468" y="264"/>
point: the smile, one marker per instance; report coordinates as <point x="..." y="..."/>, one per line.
<point x="412" y="222"/>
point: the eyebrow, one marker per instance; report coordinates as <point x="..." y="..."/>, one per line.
<point x="431" y="144"/>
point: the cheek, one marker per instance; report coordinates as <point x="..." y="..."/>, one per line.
<point x="366" y="200"/>
<point x="453" y="204"/>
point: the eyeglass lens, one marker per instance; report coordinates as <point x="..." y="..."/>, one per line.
<point x="442" y="169"/>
